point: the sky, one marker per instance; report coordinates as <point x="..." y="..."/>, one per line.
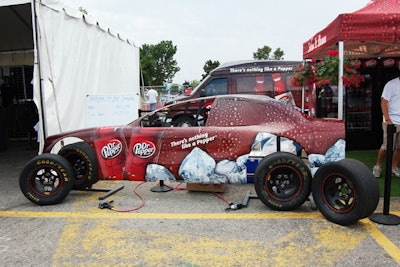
<point x="218" y="30"/>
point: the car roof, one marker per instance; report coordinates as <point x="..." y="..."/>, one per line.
<point x="256" y="66"/>
<point x="257" y="98"/>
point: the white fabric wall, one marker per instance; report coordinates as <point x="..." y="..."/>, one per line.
<point x="78" y="58"/>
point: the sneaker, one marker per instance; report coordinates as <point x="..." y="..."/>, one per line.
<point x="376" y="171"/>
<point x="396" y="172"/>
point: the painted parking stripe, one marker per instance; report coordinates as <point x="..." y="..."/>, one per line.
<point x="382" y="240"/>
<point x="112" y="242"/>
<point x="106" y="214"/>
<point x="76" y="220"/>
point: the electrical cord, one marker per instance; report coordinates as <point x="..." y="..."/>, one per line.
<point x="108" y="205"/>
<point x="221" y="197"/>
<point x="231" y="205"/>
<point x="177" y="187"/>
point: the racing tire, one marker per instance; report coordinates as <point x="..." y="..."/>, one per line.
<point x="282" y="181"/>
<point x="46" y="179"/>
<point x="345" y="191"/>
<point x="184" y="121"/>
<point x="84" y="162"/>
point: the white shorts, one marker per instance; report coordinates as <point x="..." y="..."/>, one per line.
<point x="396" y="136"/>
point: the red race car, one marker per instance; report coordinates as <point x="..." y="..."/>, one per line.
<point x="237" y="139"/>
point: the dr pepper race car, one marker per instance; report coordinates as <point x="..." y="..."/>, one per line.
<point x="237" y="139"/>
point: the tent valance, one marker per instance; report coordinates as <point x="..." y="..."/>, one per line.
<point x="373" y="31"/>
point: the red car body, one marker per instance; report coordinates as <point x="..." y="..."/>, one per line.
<point x="226" y="131"/>
<point x="236" y="138"/>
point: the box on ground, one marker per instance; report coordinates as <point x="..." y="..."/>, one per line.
<point x="219" y="188"/>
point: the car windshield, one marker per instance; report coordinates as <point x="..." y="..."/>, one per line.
<point x="196" y="110"/>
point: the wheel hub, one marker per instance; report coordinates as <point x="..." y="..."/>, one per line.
<point x="339" y="194"/>
<point x="281" y="184"/>
<point x="46" y="180"/>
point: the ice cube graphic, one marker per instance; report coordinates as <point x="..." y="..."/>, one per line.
<point x="241" y="162"/>
<point x="265" y="143"/>
<point x="198" y="167"/>
<point x="155" y="172"/>
<point x="233" y="173"/>
<point x="334" y="153"/>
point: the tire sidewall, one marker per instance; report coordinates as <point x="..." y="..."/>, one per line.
<point x="58" y="164"/>
<point x="85" y="153"/>
<point x="282" y="160"/>
<point x="358" y="176"/>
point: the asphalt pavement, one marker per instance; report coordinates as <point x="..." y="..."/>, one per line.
<point x="178" y="228"/>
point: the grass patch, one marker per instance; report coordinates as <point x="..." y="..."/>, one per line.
<point x="368" y="157"/>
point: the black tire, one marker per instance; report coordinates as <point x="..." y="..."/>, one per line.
<point x="46" y="179"/>
<point x="84" y="162"/>
<point x="282" y="181"/>
<point x="184" y="121"/>
<point x="345" y="191"/>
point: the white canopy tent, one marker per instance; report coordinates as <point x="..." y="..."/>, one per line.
<point x="73" y="57"/>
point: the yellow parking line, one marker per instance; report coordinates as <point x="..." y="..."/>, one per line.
<point x="370" y="227"/>
<point x="108" y="214"/>
<point x="382" y="240"/>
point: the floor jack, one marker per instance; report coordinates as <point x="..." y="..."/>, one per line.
<point x="243" y="204"/>
<point x="108" y="193"/>
<point x="247" y="198"/>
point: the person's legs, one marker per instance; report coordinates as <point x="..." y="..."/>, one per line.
<point x="381" y="154"/>
<point x="396" y="159"/>
<point x="396" y="154"/>
<point x="381" y="157"/>
<point x="378" y="166"/>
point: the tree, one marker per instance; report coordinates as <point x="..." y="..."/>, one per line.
<point x="265" y="51"/>
<point x="83" y="10"/>
<point x="209" y="66"/>
<point x="157" y="63"/>
<point x="192" y="84"/>
<point x="278" y="54"/>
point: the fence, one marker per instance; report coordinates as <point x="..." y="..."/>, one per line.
<point x="165" y="93"/>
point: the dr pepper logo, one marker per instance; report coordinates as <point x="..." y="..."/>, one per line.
<point x="112" y="149"/>
<point x="144" y="150"/>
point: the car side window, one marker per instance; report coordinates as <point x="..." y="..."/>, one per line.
<point x="260" y="84"/>
<point x="156" y="119"/>
<point x="217" y="86"/>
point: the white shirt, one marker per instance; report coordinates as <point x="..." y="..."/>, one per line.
<point x="152" y="95"/>
<point x="391" y="93"/>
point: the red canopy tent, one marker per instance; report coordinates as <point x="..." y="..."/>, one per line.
<point x="372" y="31"/>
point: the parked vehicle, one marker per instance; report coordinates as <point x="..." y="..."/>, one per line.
<point x="254" y="77"/>
<point x="243" y="138"/>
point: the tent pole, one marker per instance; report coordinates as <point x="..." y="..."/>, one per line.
<point x="303" y="94"/>
<point x="340" y="81"/>
<point x="37" y="63"/>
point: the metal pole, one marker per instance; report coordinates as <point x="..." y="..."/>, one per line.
<point x="37" y="62"/>
<point x="385" y="217"/>
<point x="388" y="174"/>
<point x="340" y="81"/>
